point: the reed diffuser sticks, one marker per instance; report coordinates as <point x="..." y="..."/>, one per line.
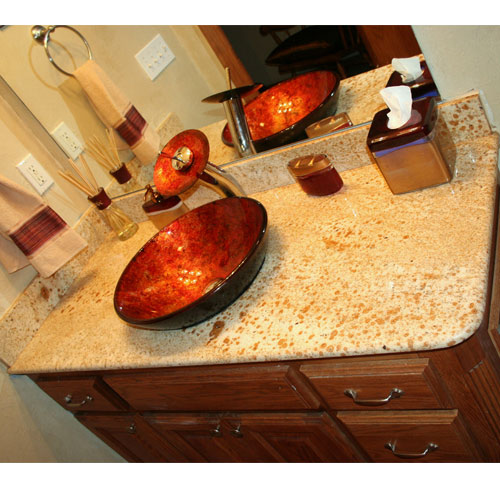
<point x="104" y="154"/>
<point x="107" y="156"/>
<point x="84" y="182"/>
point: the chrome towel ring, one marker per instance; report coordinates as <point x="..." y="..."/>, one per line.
<point x="42" y="36"/>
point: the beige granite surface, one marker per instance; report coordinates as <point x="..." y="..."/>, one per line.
<point x="25" y="316"/>
<point x="359" y="272"/>
<point x="464" y="116"/>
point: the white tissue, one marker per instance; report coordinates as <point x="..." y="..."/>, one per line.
<point x="399" y="101"/>
<point x="409" y="67"/>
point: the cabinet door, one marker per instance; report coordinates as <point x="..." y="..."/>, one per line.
<point x="254" y="437"/>
<point x="202" y="437"/>
<point x="291" y="437"/>
<point x="131" y="437"/>
<point x="411" y="436"/>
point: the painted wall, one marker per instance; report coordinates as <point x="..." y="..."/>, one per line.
<point x="34" y="428"/>
<point x="53" y="97"/>
<point x="462" y="58"/>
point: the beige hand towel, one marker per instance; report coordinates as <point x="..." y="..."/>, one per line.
<point x="32" y="233"/>
<point x="116" y="110"/>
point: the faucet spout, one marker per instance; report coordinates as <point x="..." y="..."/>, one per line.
<point x="220" y="181"/>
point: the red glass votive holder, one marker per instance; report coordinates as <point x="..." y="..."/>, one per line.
<point x="316" y="175"/>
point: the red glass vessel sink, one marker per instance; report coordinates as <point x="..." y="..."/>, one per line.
<point x="280" y="114"/>
<point x="194" y="267"/>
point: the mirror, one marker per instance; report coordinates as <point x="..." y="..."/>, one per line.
<point x="174" y="96"/>
<point x="271" y="54"/>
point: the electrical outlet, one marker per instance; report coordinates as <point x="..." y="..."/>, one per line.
<point x="35" y="174"/>
<point x="67" y="140"/>
<point x="155" y="57"/>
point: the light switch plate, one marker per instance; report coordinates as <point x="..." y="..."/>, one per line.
<point x="155" y="57"/>
<point x="67" y="140"/>
<point x="35" y="174"/>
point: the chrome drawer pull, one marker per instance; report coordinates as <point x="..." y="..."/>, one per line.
<point x="237" y="432"/>
<point x="392" y="446"/>
<point x="395" y="393"/>
<point x="69" y="404"/>
<point x="216" y="432"/>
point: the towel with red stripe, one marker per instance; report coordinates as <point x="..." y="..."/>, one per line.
<point x="116" y="111"/>
<point x="33" y="233"/>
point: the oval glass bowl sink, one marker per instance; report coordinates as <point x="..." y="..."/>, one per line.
<point x="194" y="267"/>
<point x="281" y="114"/>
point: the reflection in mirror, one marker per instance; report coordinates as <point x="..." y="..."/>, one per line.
<point x="359" y="55"/>
<point x="172" y="101"/>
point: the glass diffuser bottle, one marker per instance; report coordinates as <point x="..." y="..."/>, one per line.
<point x="114" y="217"/>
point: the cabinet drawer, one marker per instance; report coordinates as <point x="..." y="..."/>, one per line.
<point x="401" y="384"/>
<point x="416" y="436"/>
<point x="215" y="389"/>
<point x="81" y="394"/>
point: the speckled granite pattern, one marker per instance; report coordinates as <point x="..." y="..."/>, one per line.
<point x="359" y="272"/>
<point x="22" y="320"/>
<point x="466" y="120"/>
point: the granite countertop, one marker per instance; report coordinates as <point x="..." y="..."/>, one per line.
<point x="359" y="272"/>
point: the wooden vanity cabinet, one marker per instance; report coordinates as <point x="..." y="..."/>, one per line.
<point x="433" y="406"/>
<point x="263" y="413"/>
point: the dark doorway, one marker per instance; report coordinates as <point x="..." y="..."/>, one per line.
<point x="274" y="53"/>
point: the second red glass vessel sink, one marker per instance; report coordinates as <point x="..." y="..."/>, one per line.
<point x="194" y="267"/>
<point x="280" y="114"/>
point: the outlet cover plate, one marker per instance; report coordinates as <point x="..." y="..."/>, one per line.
<point x="67" y="140"/>
<point x="155" y="57"/>
<point x="35" y="174"/>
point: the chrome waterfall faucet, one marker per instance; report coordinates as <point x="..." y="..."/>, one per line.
<point x="184" y="162"/>
<point x="235" y="115"/>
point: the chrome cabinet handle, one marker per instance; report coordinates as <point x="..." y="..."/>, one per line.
<point x="237" y="432"/>
<point x="391" y="445"/>
<point x="68" y="400"/>
<point x="395" y="393"/>
<point x="216" y="432"/>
